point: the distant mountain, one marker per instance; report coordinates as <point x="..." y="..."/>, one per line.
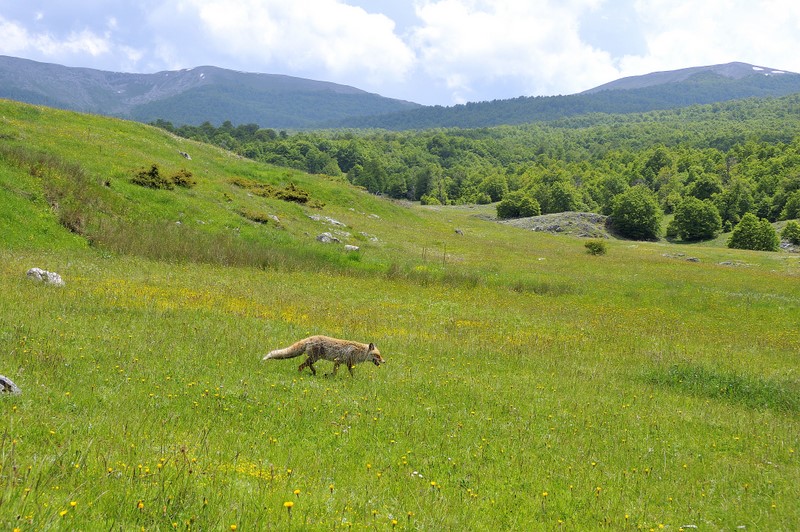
<point x="216" y="95"/>
<point x="731" y="71"/>
<point x="191" y="96"/>
<point x="659" y="90"/>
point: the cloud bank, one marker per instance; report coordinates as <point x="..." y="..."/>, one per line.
<point x="429" y="51"/>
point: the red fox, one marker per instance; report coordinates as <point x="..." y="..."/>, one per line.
<point x="327" y="348"/>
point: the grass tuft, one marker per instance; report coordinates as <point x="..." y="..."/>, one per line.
<point x="750" y="391"/>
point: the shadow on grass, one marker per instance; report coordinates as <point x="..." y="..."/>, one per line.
<point x="752" y="392"/>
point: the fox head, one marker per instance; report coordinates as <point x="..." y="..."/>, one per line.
<point x="377" y="359"/>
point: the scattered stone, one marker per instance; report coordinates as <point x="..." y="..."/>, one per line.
<point x="459" y="232"/>
<point x="38" y="274"/>
<point x="327" y="238"/>
<point x="274" y="218"/>
<point x="349" y="247"/>
<point x="185" y="155"/>
<point x="328" y="219"/>
<point x="693" y="259"/>
<point x="8" y="386"/>
<point x="579" y="224"/>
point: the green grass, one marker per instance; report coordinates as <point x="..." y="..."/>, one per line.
<point x="528" y="384"/>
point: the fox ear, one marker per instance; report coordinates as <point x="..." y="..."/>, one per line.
<point x="371" y="347"/>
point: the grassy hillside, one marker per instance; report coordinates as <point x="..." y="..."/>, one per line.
<point x="528" y="385"/>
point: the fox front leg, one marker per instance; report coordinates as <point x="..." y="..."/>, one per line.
<point x="336" y="363"/>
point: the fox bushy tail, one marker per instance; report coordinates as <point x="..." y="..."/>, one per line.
<point x="294" y="350"/>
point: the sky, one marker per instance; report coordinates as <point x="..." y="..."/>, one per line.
<point x="433" y="52"/>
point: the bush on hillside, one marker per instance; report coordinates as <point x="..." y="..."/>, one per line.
<point x="695" y="220"/>
<point x="290" y="192"/>
<point x="429" y="200"/>
<point x="183" y="178"/>
<point x="791" y="233"/>
<point x="518" y="204"/>
<point x="792" y="207"/>
<point x="595" y="247"/>
<point x="754" y="233"/>
<point x="152" y="178"/>
<point x="636" y="214"/>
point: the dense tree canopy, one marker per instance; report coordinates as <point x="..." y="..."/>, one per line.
<point x="742" y="157"/>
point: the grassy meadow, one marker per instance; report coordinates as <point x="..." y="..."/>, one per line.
<point x="528" y="384"/>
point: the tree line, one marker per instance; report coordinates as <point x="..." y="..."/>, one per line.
<point x="733" y="158"/>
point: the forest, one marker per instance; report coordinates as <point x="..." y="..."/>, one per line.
<point x="740" y="157"/>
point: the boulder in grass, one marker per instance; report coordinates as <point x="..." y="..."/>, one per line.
<point x="327" y="238"/>
<point x="38" y="274"/>
<point x="8" y="386"/>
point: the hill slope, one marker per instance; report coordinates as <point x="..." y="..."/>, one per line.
<point x="190" y="96"/>
<point x="528" y="385"/>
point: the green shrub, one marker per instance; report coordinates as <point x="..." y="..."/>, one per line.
<point x="429" y="200"/>
<point x="482" y="198"/>
<point x="152" y="178"/>
<point x="596" y="247"/>
<point x="636" y="214"/>
<point x="291" y="192"/>
<point x="183" y="178"/>
<point x="518" y="204"/>
<point x="695" y="220"/>
<point x="754" y="233"/>
<point x="791" y="232"/>
<point x="255" y="216"/>
<point x="792" y="207"/>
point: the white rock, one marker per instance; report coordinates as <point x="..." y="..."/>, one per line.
<point x="46" y="277"/>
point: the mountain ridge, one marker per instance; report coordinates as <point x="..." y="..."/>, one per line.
<point x="257" y="97"/>
<point x="216" y="95"/>
<point x="732" y="70"/>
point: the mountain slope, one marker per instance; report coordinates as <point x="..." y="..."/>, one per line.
<point x="216" y="95"/>
<point x="657" y="91"/>
<point x="190" y="96"/>
<point x="732" y="71"/>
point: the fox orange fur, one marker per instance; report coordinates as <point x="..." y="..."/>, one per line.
<point x="327" y="348"/>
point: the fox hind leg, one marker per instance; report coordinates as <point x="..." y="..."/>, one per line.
<point x="309" y="363"/>
<point x="315" y="352"/>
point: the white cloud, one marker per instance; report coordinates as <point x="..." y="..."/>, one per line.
<point x="18" y="40"/>
<point x="441" y="51"/>
<point x="343" y="41"/>
<point x="682" y="34"/>
<point x="533" y="47"/>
